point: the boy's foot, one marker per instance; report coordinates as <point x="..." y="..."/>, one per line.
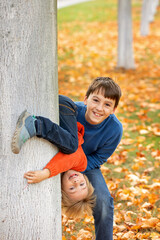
<point x="25" y="129"/>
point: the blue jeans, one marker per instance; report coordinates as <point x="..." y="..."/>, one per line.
<point x="66" y="139"/>
<point x="65" y="136"/>
<point x="104" y="209"/>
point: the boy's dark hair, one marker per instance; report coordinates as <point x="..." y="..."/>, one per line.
<point x="109" y="88"/>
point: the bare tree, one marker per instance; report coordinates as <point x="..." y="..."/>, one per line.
<point x="28" y="50"/>
<point x="125" y="39"/>
<point x="149" y="8"/>
<point x="146" y="6"/>
<point x="153" y="9"/>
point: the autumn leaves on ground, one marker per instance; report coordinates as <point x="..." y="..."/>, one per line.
<point x="87" y="48"/>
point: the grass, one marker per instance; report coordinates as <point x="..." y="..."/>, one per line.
<point x="96" y="10"/>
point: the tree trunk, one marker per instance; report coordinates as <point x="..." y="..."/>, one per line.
<point x="125" y="39"/>
<point x="146" y="9"/>
<point x="149" y="8"/>
<point x="28" y="81"/>
<point x="153" y="9"/>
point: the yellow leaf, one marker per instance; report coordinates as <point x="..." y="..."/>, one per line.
<point x="148" y="206"/>
<point x="155" y="236"/>
<point x="127" y="141"/>
<point x="155" y="185"/>
<point x="150" y="223"/>
<point x="143" y="235"/>
<point x="68" y="230"/>
<point x="156" y="131"/>
<point x="73" y="238"/>
<point x="129" y="235"/>
<point x="89" y="219"/>
<point x="84" y="234"/>
<point x="105" y="169"/>
<point x="141" y="139"/>
<point x="119" y="169"/>
<point x="143" y="131"/>
<point x="158" y="226"/>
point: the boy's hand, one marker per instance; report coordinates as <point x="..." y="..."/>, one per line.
<point x="37" y="176"/>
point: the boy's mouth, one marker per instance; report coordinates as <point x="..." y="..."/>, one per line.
<point x="97" y="115"/>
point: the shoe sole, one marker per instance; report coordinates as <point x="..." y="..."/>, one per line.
<point x="19" y="125"/>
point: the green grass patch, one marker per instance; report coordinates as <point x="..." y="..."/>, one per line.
<point x="96" y="10"/>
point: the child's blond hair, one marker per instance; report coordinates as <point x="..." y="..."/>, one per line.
<point x="77" y="209"/>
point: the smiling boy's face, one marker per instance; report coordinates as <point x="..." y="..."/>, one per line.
<point x="98" y="107"/>
<point x="74" y="185"/>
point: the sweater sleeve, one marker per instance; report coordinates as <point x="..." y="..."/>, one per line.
<point x="97" y="158"/>
<point x="63" y="162"/>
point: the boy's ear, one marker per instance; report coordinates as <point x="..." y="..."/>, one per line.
<point x="85" y="100"/>
<point x="114" y="110"/>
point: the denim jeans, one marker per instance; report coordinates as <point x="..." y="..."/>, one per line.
<point x="103" y="211"/>
<point x="65" y="136"/>
<point x="66" y="139"/>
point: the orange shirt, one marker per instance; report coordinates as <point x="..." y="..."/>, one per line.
<point x="62" y="162"/>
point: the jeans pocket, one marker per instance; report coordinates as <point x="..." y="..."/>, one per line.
<point x="66" y="110"/>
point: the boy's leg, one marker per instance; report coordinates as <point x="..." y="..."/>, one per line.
<point x="65" y="135"/>
<point x="25" y="129"/>
<point x="103" y="211"/>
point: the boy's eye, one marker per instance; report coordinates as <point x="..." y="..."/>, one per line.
<point x="71" y="188"/>
<point x="95" y="100"/>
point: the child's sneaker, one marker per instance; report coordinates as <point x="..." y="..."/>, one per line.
<point x="25" y="129"/>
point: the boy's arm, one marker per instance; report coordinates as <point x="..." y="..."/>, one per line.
<point x="99" y="157"/>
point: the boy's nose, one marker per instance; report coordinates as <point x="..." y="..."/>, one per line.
<point x="99" y="107"/>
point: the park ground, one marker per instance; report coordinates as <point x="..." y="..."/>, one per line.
<point x="87" y="48"/>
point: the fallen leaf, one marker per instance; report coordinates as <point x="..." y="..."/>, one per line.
<point x="148" y="206"/>
<point x="105" y="169"/>
<point x="143" y="131"/>
<point x="128" y="235"/>
<point x="84" y="234"/>
<point x="158" y="226"/>
<point x="150" y="223"/>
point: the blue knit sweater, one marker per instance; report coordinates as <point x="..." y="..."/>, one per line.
<point x="100" y="140"/>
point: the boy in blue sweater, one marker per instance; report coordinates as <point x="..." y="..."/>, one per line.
<point x="103" y="132"/>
